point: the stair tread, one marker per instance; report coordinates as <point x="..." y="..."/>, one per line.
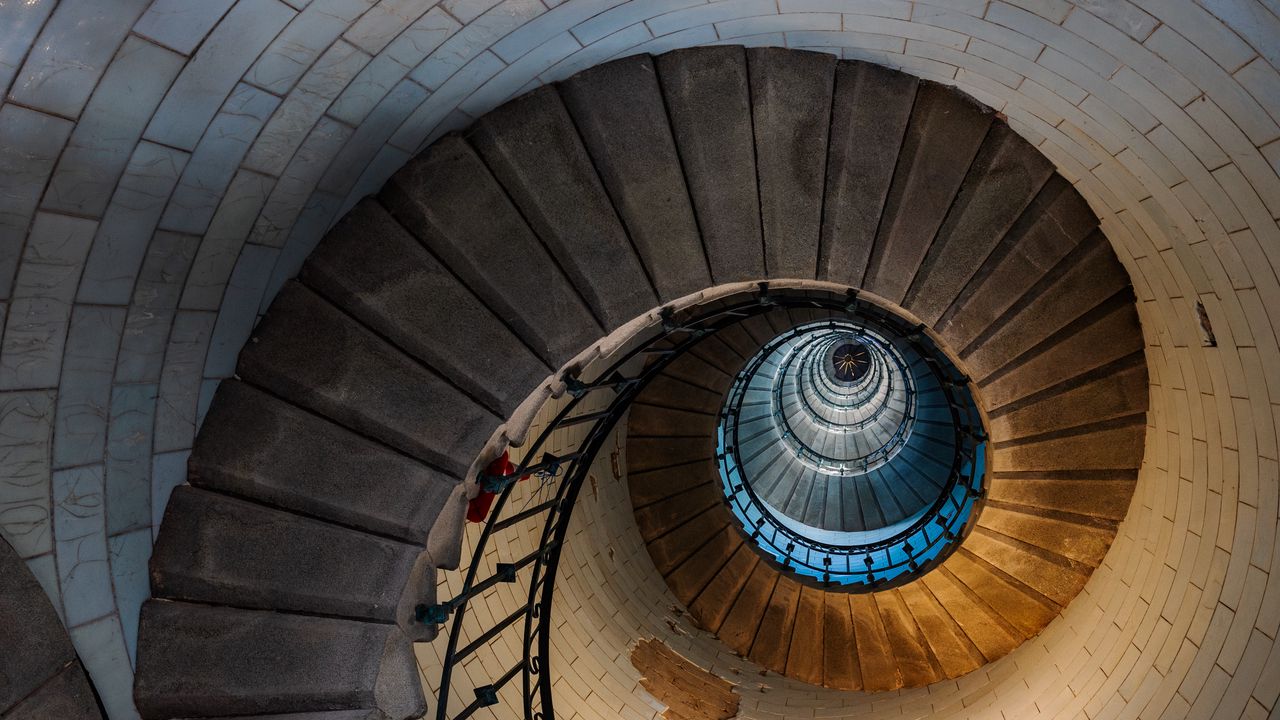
<point x="773" y="639"/>
<point x="494" y="252"/>
<point x="941" y="141"/>
<point x="871" y="107"/>
<point x="954" y="652"/>
<point x="1117" y="394"/>
<point x="1003" y="180"/>
<point x="839" y="649"/>
<point x="372" y="267"/>
<point x="255" y="445"/>
<point x="1054" y="223"/>
<point x="312" y="354"/>
<point x="36" y="642"/>
<point x="715" y="601"/>
<point x="204" y="660"/>
<point x="618" y="109"/>
<point x="218" y="549"/>
<point x="791" y="112"/>
<point x="1091" y="275"/>
<point x="804" y="661"/>
<point x="707" y="95"/>
<point x="534" y="151"/>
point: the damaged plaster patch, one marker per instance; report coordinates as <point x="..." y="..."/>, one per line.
<point x="688" y="691"/>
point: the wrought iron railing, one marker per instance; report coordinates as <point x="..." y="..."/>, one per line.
<point x="563" y="475"/>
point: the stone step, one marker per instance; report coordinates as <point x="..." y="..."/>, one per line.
<point x="618" y="109"/>
<point x="742" y="622"/>
<point x="1025" y="613"/>
<point x="1106" y="446"/>
<point x="216" y="549"/>
<point x="870" y="110"/>
<point x="1003" y="180"/>
<point x="36" y="645"/>
<point x="653" y="421"/>
<point x="941" y="141"/>
<point x="493" y="252"/>
<point x="1117" y="394"/>
<point x="791" y="95"/>
<point x="202" y="661"/>
<point x="533" y="149"/>
<point x="773" y="636"/>
<point x="1106" y="499"/>
<point x="714" y="602"/>
<point x="875" y="654"/>
<point x="1051" y="226"/>
<point x="1110" y="337"/>
<point x="840" y="669"/>
<point x="65" y="696"/>
<point x="374" y="269"/>
<point x="804" y="662"/>
<point x="679" y="543"/>
<point x="690" y="577"/>
<point x="314" y="355"/>
<point x="254" y="445"/>
<point x="954" y="652"/>
<point x="708" y="98"/>
<point x="916" y="665"/>
<point x="1086" y="278"/>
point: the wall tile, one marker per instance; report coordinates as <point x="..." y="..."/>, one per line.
<point x="377" y="78"/>
<point x="21" y="21"/>
<point x="305" y="38"/>
<point x="101" y="647"/>
<point x="60" y="82"/>
<point x="308" y="230"/>
<point x="40" y="311"/>
<point x="542" y="29"/>
<point x="181" y="24"/>
<point x="216" y="158"/>
<point x="26" y="433"/>
<point x="443" y="101"/>
<point x="126" y="228"/>
<point x="303" y="108"/>
<point x="78" y="525"/>
<point x="168" y="471"/>
<point x="221" y="245"/>
<point x="180" y="380"/>
<point x="129" y="554"/>
<point x="299" y="180"/>
<point x="239" y="309"/>
<point x="128" y="471"/>
<point x="390" y="112"/>
<point x="155" y="300"/>
<point x="84" y="395"/>
<point x="109" y="129"/>
<point x="223" y="57"/>
<point x="473" y="39"/>
<point x="383" y="23"/>
<point x="32" y="143"/>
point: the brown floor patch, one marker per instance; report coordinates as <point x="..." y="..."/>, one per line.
<point x="689" y="692"/>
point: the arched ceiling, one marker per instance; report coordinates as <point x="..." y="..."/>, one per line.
<point x="165" y="165"/>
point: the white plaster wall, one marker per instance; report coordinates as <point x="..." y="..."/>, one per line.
<point x="166" y="164"/>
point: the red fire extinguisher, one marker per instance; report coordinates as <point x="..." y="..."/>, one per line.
<point x="478" y="508"/>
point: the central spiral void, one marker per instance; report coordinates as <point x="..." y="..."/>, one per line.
<point x="852" y="452"/>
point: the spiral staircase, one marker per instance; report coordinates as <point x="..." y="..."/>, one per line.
<point x="329" y="481"/>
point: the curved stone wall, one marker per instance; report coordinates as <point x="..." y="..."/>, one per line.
<point x="165" y="165"/>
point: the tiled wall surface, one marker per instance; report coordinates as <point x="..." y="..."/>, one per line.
<point x="165" y="165"/>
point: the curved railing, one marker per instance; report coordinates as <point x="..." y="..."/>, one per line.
<point x="562" y="478"/>
<point x="872" y="559"/>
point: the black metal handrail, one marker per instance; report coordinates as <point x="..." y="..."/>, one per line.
<point x="565" y="474"/>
